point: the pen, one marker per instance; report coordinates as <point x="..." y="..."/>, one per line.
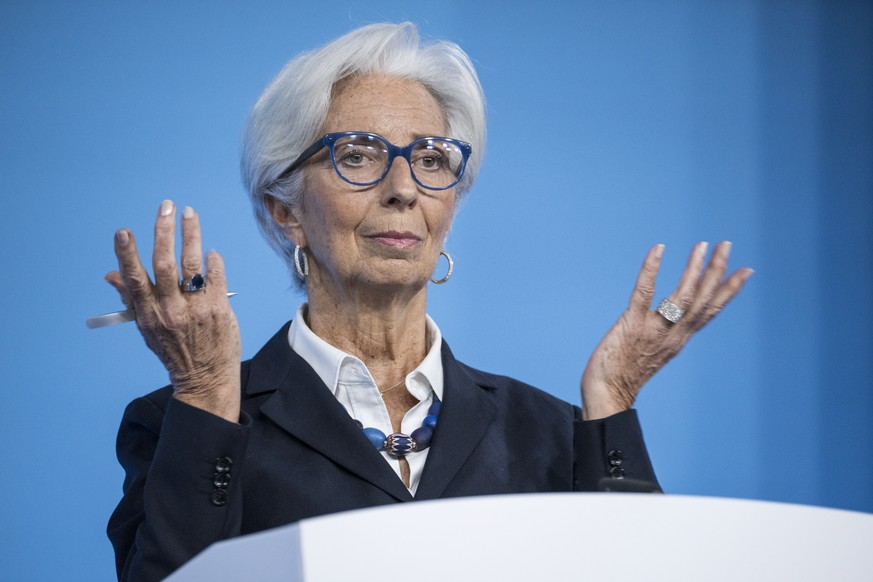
<point x="116" y="317"/>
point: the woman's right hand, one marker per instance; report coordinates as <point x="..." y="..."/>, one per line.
<point x="195" y="334"/>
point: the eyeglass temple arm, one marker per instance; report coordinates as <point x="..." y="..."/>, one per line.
<point x="307" y="153"/>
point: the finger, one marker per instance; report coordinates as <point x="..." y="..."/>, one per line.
<point x="711" y="281"/>
<point x="164" y="259"/>
<point x="114" y="279"/>
<point x="729" y="289"/>
<point x="133" y="275"/>
<point x="644" y="290"/>
<point x="192" y="250"/>
<point x="686" y="291"/>
<point x="215" y="275"/>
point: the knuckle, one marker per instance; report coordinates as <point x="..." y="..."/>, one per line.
<point x="165" y="224"/>
<point x="701" y="310"/>
<point x="147" y="321"/>
<point x="672" y="346"/>
<point x="646" y="289"/>
<point x="191" y="264"/>
<point x="735" y="285"/>
<point x="719" y="263"/>
<point x="694" y="320"/>
<point x="175" y="320"/>
<point x="685" y="303"/>
<point x="214" y="262"/>
<point x="713" y="311"/>
<point x="128" y="264"/>
<point x="190" y="235"/>
<point x="218" y="310"/>
<point x="136" y="285"/>
<point x="165" y="266"/>
<point x="695" y="314"/>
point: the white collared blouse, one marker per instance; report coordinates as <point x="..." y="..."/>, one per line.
<point x="353" y="386"/>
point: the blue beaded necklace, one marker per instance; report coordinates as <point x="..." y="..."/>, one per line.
<point x="398" y="444"/>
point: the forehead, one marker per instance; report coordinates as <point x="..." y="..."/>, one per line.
<point x="396" y="108"/>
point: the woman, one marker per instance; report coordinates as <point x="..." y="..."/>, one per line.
<point x="343" y="408"/>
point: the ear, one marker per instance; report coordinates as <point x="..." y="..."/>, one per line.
<point x="286" y="218"/>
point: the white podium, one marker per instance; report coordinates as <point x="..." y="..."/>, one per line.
<point x="545" y="537"/>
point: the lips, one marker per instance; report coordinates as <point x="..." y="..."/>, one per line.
<point x="396" y="239"/>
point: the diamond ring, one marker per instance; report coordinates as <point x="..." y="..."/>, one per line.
<point x="671" y="312"/>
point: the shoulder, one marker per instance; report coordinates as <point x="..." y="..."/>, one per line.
<point x="520" y="395"/>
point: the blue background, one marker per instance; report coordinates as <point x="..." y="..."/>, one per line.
<point x="613" y="126"/>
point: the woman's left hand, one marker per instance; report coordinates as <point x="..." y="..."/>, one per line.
<point x="643" y="340"/>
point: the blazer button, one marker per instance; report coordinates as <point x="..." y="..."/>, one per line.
<point x="616" y="473"/>
<point x="221" y="480"/>
<point x="615" y="458"/>
<point x="223" y="464"/>
<point x="218" y="497"/>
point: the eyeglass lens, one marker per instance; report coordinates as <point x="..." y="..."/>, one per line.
<point x="363" y="160"/>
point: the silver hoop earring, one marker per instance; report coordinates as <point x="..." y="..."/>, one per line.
<point x="301" y="262"/>
<point x="451" y="269"/>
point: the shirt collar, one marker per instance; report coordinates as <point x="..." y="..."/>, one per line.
<point x="330" y="362"/>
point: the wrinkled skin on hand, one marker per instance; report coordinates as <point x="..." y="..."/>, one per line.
<point x="642" y="341"/>
<point x="194" y="334"/>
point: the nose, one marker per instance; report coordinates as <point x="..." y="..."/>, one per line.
<point x="398" y="187"/>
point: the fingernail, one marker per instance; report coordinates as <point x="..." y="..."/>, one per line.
<point x="166" y="207"/>
<point x="122" y="237"/>
<point x="703" y="245"/>
<point x="188" y="212"/>
<point x="659" y="250"/>
<point x="749" y="272"/>
<point x="727" y="246"/>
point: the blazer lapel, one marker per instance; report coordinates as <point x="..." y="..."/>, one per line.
<point x="303" y="406"/>
<point x="468" y="410"/>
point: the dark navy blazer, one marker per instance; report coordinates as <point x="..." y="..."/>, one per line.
<point x="193" y="478"/>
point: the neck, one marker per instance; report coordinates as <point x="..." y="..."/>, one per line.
<point x="386" y="331"/>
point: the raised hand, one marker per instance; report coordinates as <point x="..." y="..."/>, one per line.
<point x="195" y="333"/>
<point x="643" y="340"/>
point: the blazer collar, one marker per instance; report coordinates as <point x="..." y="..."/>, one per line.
<point x="467" y="413"/>
<point x="303" y="406"/>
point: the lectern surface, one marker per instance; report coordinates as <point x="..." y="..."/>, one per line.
<point x="583" y="536"/>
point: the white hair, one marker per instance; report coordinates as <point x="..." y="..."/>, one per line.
<point x="291" y="111"/>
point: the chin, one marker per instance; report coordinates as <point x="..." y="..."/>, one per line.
<point x="394" y="281"/>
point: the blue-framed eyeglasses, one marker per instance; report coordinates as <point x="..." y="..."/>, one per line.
<point x="362" y="158"/>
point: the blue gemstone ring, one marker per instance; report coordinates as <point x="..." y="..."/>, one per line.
<point x="194" y="283"/>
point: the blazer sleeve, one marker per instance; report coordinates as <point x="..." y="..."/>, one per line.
<point x="182" y="487"/>
<point x="610" y="447"/>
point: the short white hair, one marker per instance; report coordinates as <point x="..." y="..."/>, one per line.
<point x="290" y="113"/>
